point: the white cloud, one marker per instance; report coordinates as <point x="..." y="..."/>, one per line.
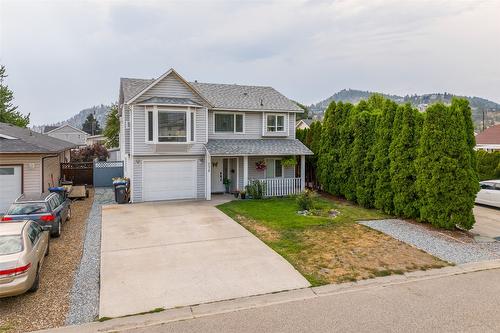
<point x="63" y="56"/>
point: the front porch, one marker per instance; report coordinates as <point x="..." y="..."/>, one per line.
<point x="231" y="174"/>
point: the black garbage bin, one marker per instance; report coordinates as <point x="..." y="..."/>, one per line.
<point x="121" y="192"/>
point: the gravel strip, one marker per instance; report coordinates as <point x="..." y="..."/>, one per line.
<point x="434" y="243"/>
<point x="47" y="307"/>
<point x="84" y="301"/>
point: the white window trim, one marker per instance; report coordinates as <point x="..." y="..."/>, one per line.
<point x="188" y="111"/>
<point x="274" y="168"/>
<point x="285" y="124"/>
<point x="234" y="122"/>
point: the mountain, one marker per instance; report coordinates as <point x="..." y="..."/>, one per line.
<point x="479" y="105"/>
<point x="100" y="112"/>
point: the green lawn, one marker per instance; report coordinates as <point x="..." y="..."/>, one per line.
<point x="323" y="249"/>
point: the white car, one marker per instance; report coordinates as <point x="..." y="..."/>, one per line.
<point x="489" y="193"/>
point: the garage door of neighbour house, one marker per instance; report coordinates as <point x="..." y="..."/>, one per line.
<point x="168" y="180"/>
<point x="10" y="185"/>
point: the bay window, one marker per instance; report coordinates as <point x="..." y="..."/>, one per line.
<point x="170" y="126"/>
<point x="228" y="122"/>
<point x="275" y="123"/>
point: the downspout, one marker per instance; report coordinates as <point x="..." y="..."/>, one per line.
<point x="43" y="169"/>
<point x="208" y="166"/>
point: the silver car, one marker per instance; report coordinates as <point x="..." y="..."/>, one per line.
<point x="489" y="193"/>
<point x="23" y="248"/>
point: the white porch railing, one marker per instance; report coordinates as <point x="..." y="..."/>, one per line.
<point x="279" y="187"/>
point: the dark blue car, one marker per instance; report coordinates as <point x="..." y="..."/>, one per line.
<point x="49" y="210"/>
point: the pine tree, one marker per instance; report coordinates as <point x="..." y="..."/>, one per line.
<point x="112" y="128"/>
<point x="347" y="179"/>
<point x="91" y="125"/>
<point x="383" y="189"/>
<point x="402" y="155"/>
<point x="446" y="180"/>
<point x="8" y="112"/>
<point x="325" y="149"/>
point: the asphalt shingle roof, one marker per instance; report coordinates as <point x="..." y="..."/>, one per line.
<point x="170" y="100"/>
<point x="224" y="96"/>
<point x="257" y="147"/>
<point x="28" y="141"/>
<point x="491" y="135"/>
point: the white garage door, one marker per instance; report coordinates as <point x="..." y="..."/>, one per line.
<point x="167" y="180"/>
<point x="10" y="185"/>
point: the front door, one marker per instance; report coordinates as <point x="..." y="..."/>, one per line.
<point x="217" y="175"/>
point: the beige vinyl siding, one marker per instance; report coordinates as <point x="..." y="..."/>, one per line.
<point x="52" y="172"/>
<point x="171" y="86"/>
<point x="32" y="171"/>
<point x="137" y="174"/>
<point x="141" y="147"/>
<point x="252" y="126"/>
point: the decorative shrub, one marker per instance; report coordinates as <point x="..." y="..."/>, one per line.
<point x="90" y="153"/>
<point x="255" y="189"/>
<point x="306" y="200"/>
<point x="289" y="161"/>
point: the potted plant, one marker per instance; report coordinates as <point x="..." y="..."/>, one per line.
<point x="289" y="161"/>
<point x="243" y="194"/>
<point x="227" y="184"/>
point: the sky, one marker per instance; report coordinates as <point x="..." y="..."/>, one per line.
<point x="64" y="56"/>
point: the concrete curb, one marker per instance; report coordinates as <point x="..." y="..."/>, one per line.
<point x="208" y="309"/>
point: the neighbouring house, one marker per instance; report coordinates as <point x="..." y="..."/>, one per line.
<point x="303" y="124"/>
<point x="187" y="140"/>
<point x="29" y="162"/>
<point x="114" y="154"/>
<point x="67" y="133"/>
<point x="93" y="139"/>
<point x="489" y="139"/>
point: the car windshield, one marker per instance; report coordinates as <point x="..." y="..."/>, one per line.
<point x="27" y="208"/>
<point x="10" y="244"/>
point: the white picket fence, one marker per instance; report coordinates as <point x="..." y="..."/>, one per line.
<point x="279" y="187"/>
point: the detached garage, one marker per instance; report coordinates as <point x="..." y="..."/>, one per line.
<point x="169" y="179"/>
<point x="29" y="162"/>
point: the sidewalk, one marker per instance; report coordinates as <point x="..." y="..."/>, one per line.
<point x="438" y="286"/>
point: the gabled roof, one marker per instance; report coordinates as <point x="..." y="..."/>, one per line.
<point x="263" y="147"/>
<point x="47" y="129"/>
<point x="28" y="141"/>
<point x="220" y="96"/>
<point x="308" y="122"/>
<point x="56" y="128"/>
<point x="170" y="100"/>
<point x="491" y="135"/>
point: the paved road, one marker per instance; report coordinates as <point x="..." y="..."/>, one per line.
<point x="487" y="221"/>
<point x="460" y="303"/>
<point x="171" y="254"/>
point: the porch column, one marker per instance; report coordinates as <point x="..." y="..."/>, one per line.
<point x="208" y="177"/>
<point x="245" y="171"/>
<point x="302" y="172"/>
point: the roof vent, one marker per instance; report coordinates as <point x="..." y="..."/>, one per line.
<point x="261" y="102"/>
<point x="245" y="94"/>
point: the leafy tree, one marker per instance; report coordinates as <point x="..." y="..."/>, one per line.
<point x="112" y="128"/>
<point x="446" y="181"/>
<point x="90" y="153"/>
<point x="8" y="112"/>
<point x="91" y="125"/>
<point x="383" y="136"/>
<point x="402" y="155"/>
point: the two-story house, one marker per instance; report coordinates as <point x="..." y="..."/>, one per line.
<point x="185" y="140"/>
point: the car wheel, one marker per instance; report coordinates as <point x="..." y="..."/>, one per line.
<point x="56" y="229"/>
<point x="69" y="214"/>
<point x="48" y="248"/>
<point x="36" y="283"/>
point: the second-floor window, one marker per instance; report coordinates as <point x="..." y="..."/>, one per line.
<point x="228" y="122"/>
<point x="275" y="123"/>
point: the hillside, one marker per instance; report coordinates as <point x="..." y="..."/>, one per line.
<point x="100" y="112"/>
<point x="478" y="104"/>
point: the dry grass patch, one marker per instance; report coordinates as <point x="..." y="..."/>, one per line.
<point x="328" y="250"/>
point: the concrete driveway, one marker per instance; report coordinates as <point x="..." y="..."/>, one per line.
<point x="169" y="254"/>
<point x="487" y="222"/>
